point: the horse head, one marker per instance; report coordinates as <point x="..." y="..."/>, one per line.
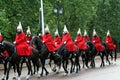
<point x="37" y="42"/>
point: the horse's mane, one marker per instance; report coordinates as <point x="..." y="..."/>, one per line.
<point x="61" y="49"/>
<point x="37" y="41"/>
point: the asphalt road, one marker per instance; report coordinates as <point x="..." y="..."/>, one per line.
<point x="109" y="72"/>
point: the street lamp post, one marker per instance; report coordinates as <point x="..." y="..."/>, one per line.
<point x="58" y="10"/>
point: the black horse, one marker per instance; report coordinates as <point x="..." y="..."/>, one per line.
<point x="111" y="53"/>
<point x="43" y="52"/>
<point x="61" y="55"/>
<point x="94" y="53"/>
<point x="14" y="59"/>
<point x="85" y="55"/>
<point x="65" y="55"/>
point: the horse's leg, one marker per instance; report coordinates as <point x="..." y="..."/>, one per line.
<point x="21" y="65"/>
<point x="92" y="61"/>
<point x="83" y="61"/>
<point x="64" y="67"/>
<point x="77" y="64"/>
<point x="59" y="67"/>
<point x="53" y="69"/>
<point x="43" y="68"/>
<point x="107" y="60"/>
<point x="46" y="70"/>
<point x="5" y="70"/>
<point x="86" y="63"/>
<point x="18" y="71"/>
<point x="43" y="62"/>
<point x="9" y="67"/>
<point x="102" y="58"/>
<point x="34" y="66"/>
<point x="111" y="56"/>
<point x="14" y="68"/>
<point x="29" y="68"/>
<point x="71" y="70"/>
<point x="115" y="55"/>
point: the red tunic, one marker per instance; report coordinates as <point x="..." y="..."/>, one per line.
<point x="21" y="45"/>
<point x="47" y="39"/>
<point x="80" y="42"/>
<point x="98" y="45"/>
<point x="69" y="43"/>
<point x="41" y="37"/>
<point x="86" y="38"/>
<point x="1" y="38"/>
<point x="110" y="43"/>
<point x="5" y="54"/>
<point x="28" y="39"/>
<point x="57" y="41"/>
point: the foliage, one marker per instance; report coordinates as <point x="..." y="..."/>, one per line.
<point x="85" y="14"/>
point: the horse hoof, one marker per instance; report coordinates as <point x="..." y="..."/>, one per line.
<point x="76" y="71"/>
<point x="71" y="71"/>
<point x="28" y="76"/>
<point x="57" y="72"/>
<point x="38" y="76"/>
<point x="14" y="78"/>
<point x="47" y="73"/>
<point x="41" y="75"/>
<point x="54" y="70"/>
<point x="65" y="74"/>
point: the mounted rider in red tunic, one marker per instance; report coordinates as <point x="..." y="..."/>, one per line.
<point x="47" y="39"/>
<point x="96" y="40"/>
<point x="80" y="42"/>
<point x="28" y="35"/>
<point x="20" y="42"/>
<point x="86" y="37"/>
<point x="57" y="39"/>
<point x="5" y="53"/>
<point x="109" y="41"/>
<point x="67" y="40"/>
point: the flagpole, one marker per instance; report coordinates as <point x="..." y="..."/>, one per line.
<point x="42" y="17"/>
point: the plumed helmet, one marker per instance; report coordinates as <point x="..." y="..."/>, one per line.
<point x="108" y="33"/>
<point x="19" y="26"/>
<point x="65" y="29"/>
<point x="0" y="34"/>
<point x="28" y="30"/>
<point x="94" y="32"/>
<point x="79" y="32"/>
<point x="56" y="32"/>
<point x="85" y="33"/>
<point x="47" y="29"/>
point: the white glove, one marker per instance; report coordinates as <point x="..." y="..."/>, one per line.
<point x="75" y="40"/>
<point x="14" y="42"/>
<point x="64" y="42"/>
<point x="106" y="41"/>
<point x="55" y="42"/>
<point x="43" y="41"/>
<point x="28" y="41"/>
